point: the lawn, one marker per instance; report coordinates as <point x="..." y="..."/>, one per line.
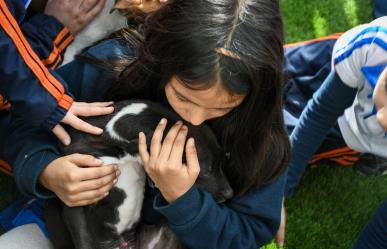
<point x="332" y="204"/>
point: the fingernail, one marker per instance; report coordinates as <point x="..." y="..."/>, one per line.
<point x="66" y="141"/>
<point x="184" y="128"/>
<point x="191" y="142"/>
<point x="106" y="194"/>
<point x="179" y="122"/>
<point x="98" y="161"/>
<point x="115" y="181"/>
<point x="118" y="172"/>
<point x="115" y="167"/>
<point x="163" y="121"/>
<point x="99" y="131"/>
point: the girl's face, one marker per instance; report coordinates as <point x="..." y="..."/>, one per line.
<point x="197" y="106"/>
<point x="380" y="99"/>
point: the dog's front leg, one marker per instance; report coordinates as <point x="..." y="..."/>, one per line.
<point x="76" y="223"/>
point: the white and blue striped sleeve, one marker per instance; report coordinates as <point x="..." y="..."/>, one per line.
<point x="363" y="46"/>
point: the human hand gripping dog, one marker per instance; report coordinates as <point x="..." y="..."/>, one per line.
<point x="164" y="162"/>
<point x="78" y="179"/>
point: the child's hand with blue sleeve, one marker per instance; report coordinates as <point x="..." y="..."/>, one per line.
<point x="78" y="179"/>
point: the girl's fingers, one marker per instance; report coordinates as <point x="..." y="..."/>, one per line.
<point x="82" y="160"/>
<point x="81" y="125"/>
<point x="86" y="202"/>
<point x="157" y="138"/>
<point x="98" y="183"/>
<point x="100" y="104"/>
<point x="96" y="10"/>
<point x="61" y="134"/>
<point x="169" y="141"/>
<point x="88" y="5"/>
<point x="193" y="166"/>
<point x="92" y="194"/>
<point x="85" y="174"/>
<point x="178" y="145"/>
<point x="91" y="109"/>
<point x="142" y="148"/>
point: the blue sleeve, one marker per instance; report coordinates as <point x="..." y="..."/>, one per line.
<point x="243" y="222"/>
<point x="36" y="94"/>
<point x="47" y="37"/>
<point x="30" y="149"/>
<point x="320" y="114"/>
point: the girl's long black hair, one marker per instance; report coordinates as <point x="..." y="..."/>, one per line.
<point x="236" y="42"/>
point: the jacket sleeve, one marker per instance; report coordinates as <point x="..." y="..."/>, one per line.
<point x="320" y="114"/>
<point x="246" y="222"/>
<point x="37" y="94"/>
<point x="30" y="149"/>
<point x="48" y="38"/>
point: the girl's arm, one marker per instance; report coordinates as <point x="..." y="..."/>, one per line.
<point x="320" y="114"/>
<point x="246" y="222"/>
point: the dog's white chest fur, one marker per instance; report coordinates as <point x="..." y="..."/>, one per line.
<point x="132" y="182"/>
<point x="103" y="25"/>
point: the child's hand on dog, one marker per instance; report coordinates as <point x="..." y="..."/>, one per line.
<point x="74" y="14"/>
<point x="78" y="179"/>
<point x="164" y="162"/>
<point x="84" y="110"/>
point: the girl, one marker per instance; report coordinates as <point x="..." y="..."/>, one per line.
<point x="218" y="62"/>
<point x="355" y="94"/>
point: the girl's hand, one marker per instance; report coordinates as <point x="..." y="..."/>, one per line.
<point x="74" y="14"/>
<point x="79" y="180"/>
<point x="164" y="163"/>
<point x="85" y="110"/>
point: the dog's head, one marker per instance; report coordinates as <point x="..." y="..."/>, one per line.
<point x="211" y="159"/>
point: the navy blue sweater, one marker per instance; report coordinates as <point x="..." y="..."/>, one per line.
<point x="198" y="221"/>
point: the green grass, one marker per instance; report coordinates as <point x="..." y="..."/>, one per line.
<point x="332" y="204"/>
<point x="307" y="19"/>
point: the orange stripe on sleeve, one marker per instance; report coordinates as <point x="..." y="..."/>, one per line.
<point x="66" y="102"/>
<point x="4" y="105"/>
<point x="59" y="47"/>
<point x="325" y="38"/>
<point x="48" y="81"/>
<point x="5" y="167"/>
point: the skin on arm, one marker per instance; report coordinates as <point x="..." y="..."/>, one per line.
<point x="78" y="179"/>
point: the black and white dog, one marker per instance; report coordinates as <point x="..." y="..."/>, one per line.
<point x="111" y="222"/>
